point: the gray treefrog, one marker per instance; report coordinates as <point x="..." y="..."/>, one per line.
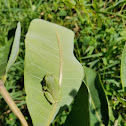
<point x="52" y="90"/>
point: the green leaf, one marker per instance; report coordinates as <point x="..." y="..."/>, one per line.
<point x="99" y="106"/>
<point x="123" y="69"/>
<point x="49" y="49"/>
<point x="121" y="100"/>
<point x="4" y="53"/>
<point x="120" y="121"/>
<point x="15" y="47"/>
<point x="79" y="115"/>
<point x="111" y="116"/>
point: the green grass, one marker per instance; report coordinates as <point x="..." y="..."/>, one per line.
<point x="100" y="35"/>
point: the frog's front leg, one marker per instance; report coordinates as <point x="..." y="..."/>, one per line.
<point x="49" y="97"/>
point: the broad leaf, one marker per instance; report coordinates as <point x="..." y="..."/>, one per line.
<point x="15" y="47"/>
<point x="79" y="115"/>
<point x="5" y="52"/>
<point x="49" y="49"/>
<point x="123" y="69"/>
<point x="99" y="106"/>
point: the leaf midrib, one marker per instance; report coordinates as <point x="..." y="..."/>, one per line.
<point x="60" y="75"/>
<point x="61" y="59"/>
<point x="98" y="116"/>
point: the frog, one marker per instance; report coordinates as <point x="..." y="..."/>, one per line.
<point x="51" y="89"/>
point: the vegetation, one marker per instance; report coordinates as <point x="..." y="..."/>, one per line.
<point x="100" y="30"/>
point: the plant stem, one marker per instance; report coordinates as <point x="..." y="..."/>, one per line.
<point x="116" y="123"/>
<point x="12" y="104"/>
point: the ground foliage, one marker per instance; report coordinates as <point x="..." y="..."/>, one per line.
<point x="99" y="27"/>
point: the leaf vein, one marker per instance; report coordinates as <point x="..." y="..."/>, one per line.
<point x="44" y="39"/>
<point x="43" y="50"/>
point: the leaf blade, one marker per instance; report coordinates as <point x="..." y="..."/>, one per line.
<point x="79" y="114"/>
<point x="15" y="47"/>
<point x="42" y="57"/>
<point x="123" y="69"/>
<point x="99" y="106"/>
<point x="4" y="52"/>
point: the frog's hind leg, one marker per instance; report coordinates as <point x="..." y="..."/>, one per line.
<point x="49" y="97"/>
